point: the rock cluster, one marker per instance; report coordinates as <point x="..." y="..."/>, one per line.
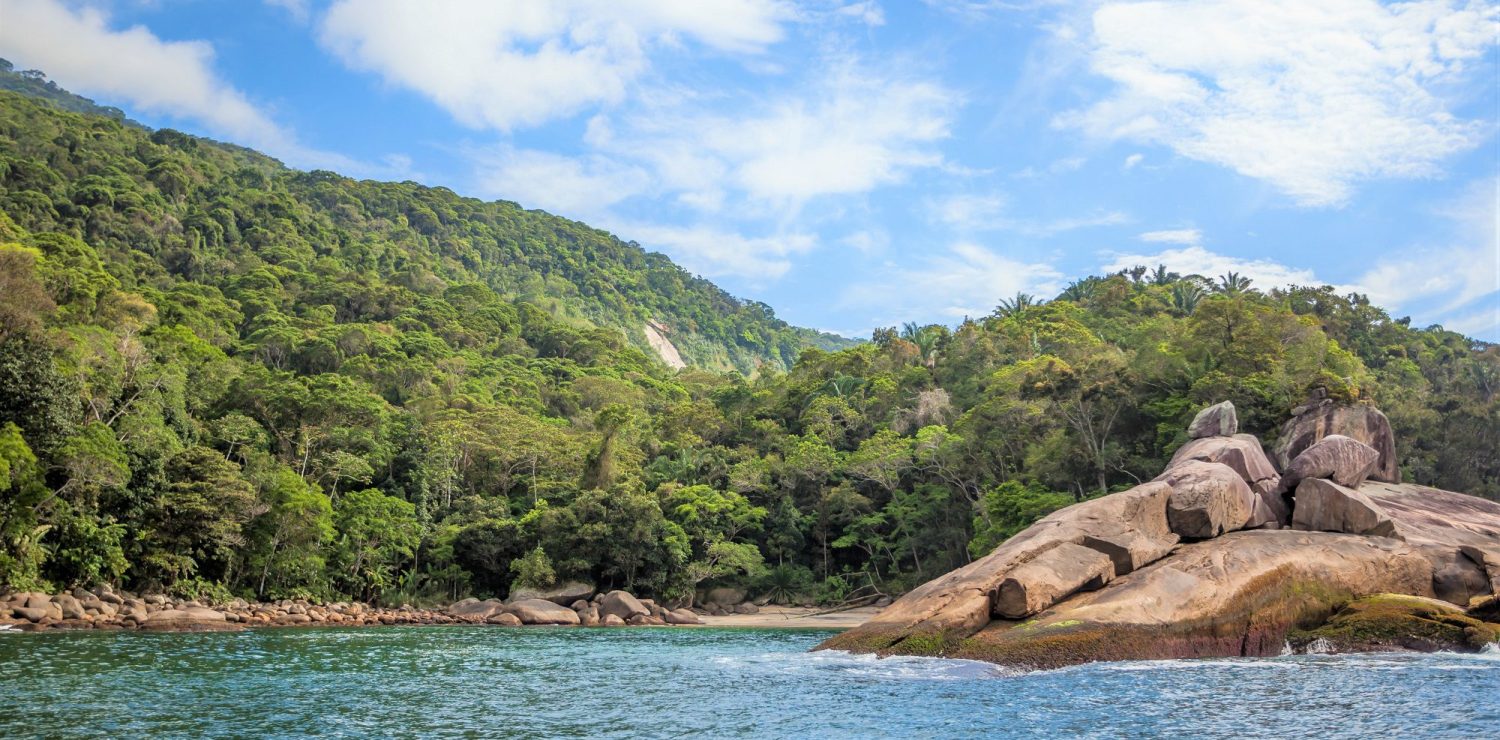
<point x="104" y="608"/>
<point x="585" y="608"/>
<point x="1220" y="555"/>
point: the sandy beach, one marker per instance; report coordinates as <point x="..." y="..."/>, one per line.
<point x="790" y="616"/>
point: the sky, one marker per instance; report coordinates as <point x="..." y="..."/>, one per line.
<point x="863" y="164"/>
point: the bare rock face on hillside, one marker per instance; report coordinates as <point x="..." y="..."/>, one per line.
<point x="1320" y="418"/>
<point x="1045" y="599"/>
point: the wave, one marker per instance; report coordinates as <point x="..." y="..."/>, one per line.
<point x="866" y="666"/>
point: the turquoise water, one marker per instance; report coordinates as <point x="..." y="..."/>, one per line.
<point x="535" y="682"/>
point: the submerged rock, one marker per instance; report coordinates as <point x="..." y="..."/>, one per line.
<point x="1384" y="622"/>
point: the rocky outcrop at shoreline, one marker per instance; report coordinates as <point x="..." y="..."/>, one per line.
<point x="1231" y="558"/>
<point x="104" y="608"/>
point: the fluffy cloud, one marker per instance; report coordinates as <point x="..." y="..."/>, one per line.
<point x="516" y="63"/>
<point x="714" y="252"/>
<point x="83" y="53"/>
<point x="1173" y="236"/>
<point x="967" y="280"/>
<point x="1311" y="97"/>
<point x="972" y="213"/>
<point x="1195" y="260"/>
<point x="844" y="132"/>
<point x="578" y="188"/>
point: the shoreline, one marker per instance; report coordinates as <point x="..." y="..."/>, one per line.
<point x="103" y="609"/>
<point x="794" y="617"/>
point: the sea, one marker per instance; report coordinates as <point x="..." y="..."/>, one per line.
<point x="536" y="682"/>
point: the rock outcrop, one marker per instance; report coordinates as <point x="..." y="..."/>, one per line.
<point x="562" y="594"/>
<point x="1043" y="598"/>
<point x="1322" y="417"/>
<point x="1345" y="461"/>
<point x="1208" y="499"/>
<point x="1325" y="506"/>
<point x="1218" y="420"/>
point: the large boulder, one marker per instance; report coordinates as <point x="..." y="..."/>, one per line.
<point x="1218" y="420"/>
<point x="960" y="603"/>
<point x="623" y="605"/>
<point x="542" y="611"/>
<point x="1344" y="460"/>
<point x="1050" y="577"/>
<point x="681" y="616"/>
<point x="1241" y="594"/>
<point x="1320" y="418"/>
<point x="1325" y="506"/>
<point x="191" y="619"/>
<point x="724" y="596"/>
<point x="1208" y="499"/>
<point x="1243" y="454"/>
<point x="475" y="610"/>
<point x="562" y="594"/>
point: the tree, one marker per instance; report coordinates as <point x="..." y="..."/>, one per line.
<point x="375" y="533"/>
<point x="196" y="523"/>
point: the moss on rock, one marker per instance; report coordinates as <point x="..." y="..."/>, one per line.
<point x="1395" y="621"/>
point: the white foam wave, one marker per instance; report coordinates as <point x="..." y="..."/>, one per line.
<point x="865" y="666"/>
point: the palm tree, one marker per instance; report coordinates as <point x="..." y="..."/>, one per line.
<point x="1079" y="291"/>
<point x="1136" y="273"/>
<point x="1232" y="283"/>
<point x="1161" y="276"/>
<point x="1013" y="306"/>
<point x="1185" y="297"/>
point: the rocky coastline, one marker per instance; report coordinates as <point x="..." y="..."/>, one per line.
<point x="1225" y="554"/>
<point x="104" y="608"/>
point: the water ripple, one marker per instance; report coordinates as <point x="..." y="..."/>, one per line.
<point x="423" y="682"/>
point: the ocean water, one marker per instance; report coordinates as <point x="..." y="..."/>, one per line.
<point x="539" y="682"/>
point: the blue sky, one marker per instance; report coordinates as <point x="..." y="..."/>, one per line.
<point x="861" y="164"/>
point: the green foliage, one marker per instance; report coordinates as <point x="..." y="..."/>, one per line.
<point x="1009" y="508"/>
<point x="218" y="375"/>
<point x="534" y="570"/>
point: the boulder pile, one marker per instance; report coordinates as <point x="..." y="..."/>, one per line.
<point x="1220" y="555"/>
<point x="104" y="608"/>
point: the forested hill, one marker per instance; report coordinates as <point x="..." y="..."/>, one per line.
<point x="222" y="377"/>
<point x="190" y="208"/>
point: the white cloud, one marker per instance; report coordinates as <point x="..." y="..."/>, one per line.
<point x="979" y="212"/>
<point x="869" y="12"/>
<point x="1133" y="160"/>
<point x="1195" y="260"/>
<point x="297" y="9"/>
<point x="847" y="132"/>
<point x="574" y="187"/>
<point x="1312" y="97"/>
<point x="1452" y="277"/>
<point x="713" y="252"/>
<point x="83" y="53"/>
<point x="967" y="280"/>
<point x="519" y="63"/>
<point x="1173" y="236"/>
<point x="867" y="240"/>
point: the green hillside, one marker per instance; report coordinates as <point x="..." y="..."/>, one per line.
<point x="219" y="376"/>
